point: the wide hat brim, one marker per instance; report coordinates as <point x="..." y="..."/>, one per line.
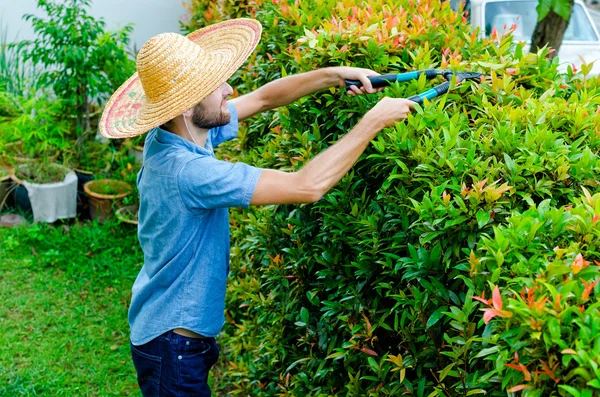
<point x="227" y="45"/>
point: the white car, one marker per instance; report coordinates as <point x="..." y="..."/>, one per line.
<point x="581" y="42"/>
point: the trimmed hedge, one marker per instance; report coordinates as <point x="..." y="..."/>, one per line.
<point x="458" y="257"/>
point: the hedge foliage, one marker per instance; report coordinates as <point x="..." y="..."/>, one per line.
<point x="459" y="257"/>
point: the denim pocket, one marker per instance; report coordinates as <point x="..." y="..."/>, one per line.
<point x="196" y="347"/>
<point x="148" y="368"/>
<point x="199" y="355"/>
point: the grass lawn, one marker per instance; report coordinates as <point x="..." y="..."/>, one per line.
<point x="64" y="293"/>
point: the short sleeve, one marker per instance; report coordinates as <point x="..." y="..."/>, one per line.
<point x="207" y="183"/>
<point x="228" y="131"/>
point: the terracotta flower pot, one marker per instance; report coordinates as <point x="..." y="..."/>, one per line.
<point x="128" y="214"/>
<point x="104" y="194"/>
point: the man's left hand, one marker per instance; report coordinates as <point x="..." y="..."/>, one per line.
<point x="350" y="73"/>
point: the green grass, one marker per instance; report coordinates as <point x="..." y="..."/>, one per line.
<point x="64" y="293"/>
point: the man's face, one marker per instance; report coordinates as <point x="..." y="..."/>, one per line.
<point x="212" y="111"/>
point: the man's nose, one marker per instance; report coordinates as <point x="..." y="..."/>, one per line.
<point x="227" y="90"/>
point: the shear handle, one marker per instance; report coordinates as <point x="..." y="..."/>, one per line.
<point x="387" y="79"/>
<point x="432" y="93"/>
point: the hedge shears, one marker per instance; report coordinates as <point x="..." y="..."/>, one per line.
<point x="387" y="79"/>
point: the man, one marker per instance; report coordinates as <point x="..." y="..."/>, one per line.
<point x="180" y="95"/>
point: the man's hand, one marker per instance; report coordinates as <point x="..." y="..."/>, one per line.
<point x="350" y="73"/>
<point x="325" y="170"/>
<point x="390" y="110"/>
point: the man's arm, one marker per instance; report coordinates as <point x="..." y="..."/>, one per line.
<point x="286" y="90"/>
<point x="325" y="170"/>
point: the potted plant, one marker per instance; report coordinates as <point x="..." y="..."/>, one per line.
<point x="128" y="213"/>
<point x="51" y="188"/>
<point x="34" y="139"/>
<point x="104" y="195"/>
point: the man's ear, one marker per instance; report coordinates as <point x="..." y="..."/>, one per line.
<point x="188" y="113"/>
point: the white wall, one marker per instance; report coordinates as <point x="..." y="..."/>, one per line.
<point x="150" y="17"/>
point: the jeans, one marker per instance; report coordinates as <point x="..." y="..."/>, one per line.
<point x="175" y="366"/>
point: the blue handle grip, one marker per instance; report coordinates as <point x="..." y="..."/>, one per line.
<point x="430" y="94"/>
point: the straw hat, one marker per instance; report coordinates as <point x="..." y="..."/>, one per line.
<point x="175" y="72"/>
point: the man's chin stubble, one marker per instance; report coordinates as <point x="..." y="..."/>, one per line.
<point x="201" y="122"/>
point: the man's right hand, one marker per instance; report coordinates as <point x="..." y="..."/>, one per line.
<point x="325" y="170"/>
<point x="390" y="110"/>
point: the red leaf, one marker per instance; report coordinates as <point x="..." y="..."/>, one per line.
<point x="579" y="264"/>
<point x="588" y="289"/>
<point x="482" y="300"/>
<point x="519" y="388"/>
<point x="489" y="314"/>
<point x="521" y="368"/>
<point x="368" y="351"/>
<point x="497" y="299"/>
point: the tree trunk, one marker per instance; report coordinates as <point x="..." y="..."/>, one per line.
<point x="549" y="31"/>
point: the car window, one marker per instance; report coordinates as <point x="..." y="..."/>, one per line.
<point x="503" y="14"/>
<point x="455" y="4"/>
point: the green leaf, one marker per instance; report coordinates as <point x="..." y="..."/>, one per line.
<point x="456" y="221"/>
<point x="483" y="218"/>
<point x="587" y="393"/>
<point x="445" y="371"/>
<point x="436" y="316"/>
<point x="493" y="66"/>
<point x="302" y="360"/>
<point x="562" y="8"/>
<point x="543" y="8"/>
<point x="476" y="391"/>
<point x="594" y="383"/>
<point x="373" y="364"/>
<point x="487" y="352"/>
<point x="336" y="355"/>
<point x="510" y="164"/>
<point x="304" y="315"/>
<point x="571" y="390"/>
<point x="371" y="378"/>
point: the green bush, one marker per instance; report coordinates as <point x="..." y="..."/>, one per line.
<point x="383" y="286"/>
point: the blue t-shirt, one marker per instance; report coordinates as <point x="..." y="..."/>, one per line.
<point x="184" y="232"/>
